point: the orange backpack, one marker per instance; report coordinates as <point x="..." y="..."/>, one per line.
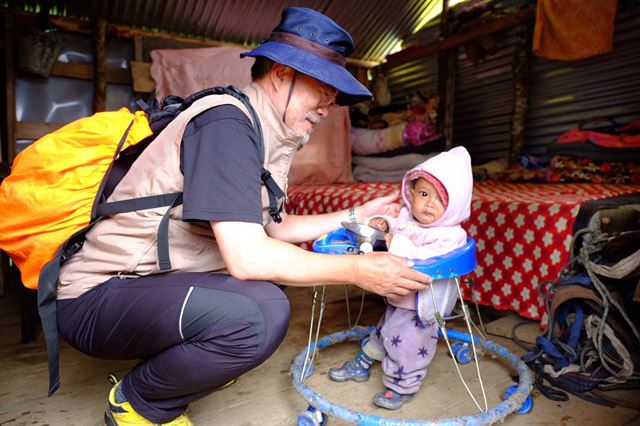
<point x="50" y="192"/>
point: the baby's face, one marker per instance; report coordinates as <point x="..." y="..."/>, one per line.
<point x="426" y="204"/>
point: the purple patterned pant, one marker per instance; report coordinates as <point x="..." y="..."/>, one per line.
<point x="405" y="348"/>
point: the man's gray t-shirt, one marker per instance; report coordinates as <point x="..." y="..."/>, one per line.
<point x="221" y="167"/>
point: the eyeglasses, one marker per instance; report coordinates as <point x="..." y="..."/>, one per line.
<point x="327" y="93"/>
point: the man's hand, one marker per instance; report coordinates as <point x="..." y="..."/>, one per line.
<point x="387" y="205"/>
<point x="388" y="275"/>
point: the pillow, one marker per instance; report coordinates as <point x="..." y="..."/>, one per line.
<point x="411" y="134"/>
<point x="436" y="145"/>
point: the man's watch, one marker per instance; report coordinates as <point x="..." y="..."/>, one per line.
<point x="352" y="215"/>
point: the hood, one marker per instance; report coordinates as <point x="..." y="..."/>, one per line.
<point x="453" y="169"/>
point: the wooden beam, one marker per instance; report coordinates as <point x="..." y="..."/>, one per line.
<point x="520" y="91"/>
<point x="442" y="68"/>
<point x="449" y="97"/>
<point x="100" y="67"/>
<point x="84" y="71"/>
<point x="34" y="130"/>
<point x="74" y="25"/>
<point x="415" y="52"/>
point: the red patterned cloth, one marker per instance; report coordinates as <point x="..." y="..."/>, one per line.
<point x="522" y="232"/>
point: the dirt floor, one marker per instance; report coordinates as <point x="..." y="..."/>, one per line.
<point x="266" y="395"/>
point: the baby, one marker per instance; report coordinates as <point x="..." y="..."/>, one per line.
<point x="437" y="197"/>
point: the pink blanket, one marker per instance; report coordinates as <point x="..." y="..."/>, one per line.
<point x="185" y="71"/>
<point x="327" y="156"/>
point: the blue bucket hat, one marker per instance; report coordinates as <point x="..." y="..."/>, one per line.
<point x="313" y="44"/>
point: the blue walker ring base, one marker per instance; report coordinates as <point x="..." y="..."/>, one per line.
<point x="312" y="417"/>
<point x="461" y="352"/>
<point x="527" y="405"/>
<point x="513" y="402"/>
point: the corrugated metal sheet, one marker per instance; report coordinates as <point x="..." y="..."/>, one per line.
<point x="420" y="75"/>
<point x="562" y="94"/>
<point x="484" y="92"/>
<point x="376" y="25"/>
<point x="483" y="104"/>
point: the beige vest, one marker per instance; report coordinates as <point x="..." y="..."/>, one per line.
<point x="125" y="244"/>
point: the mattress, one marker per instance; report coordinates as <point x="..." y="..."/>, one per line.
<point x="523" y="232"/>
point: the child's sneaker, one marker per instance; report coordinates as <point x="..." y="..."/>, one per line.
<point x="391" y="400"/>
<point x="121" y="413"/>
<point x="350" y="370"/>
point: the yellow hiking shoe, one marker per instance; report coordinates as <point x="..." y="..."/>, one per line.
<point x="123" y="414"/>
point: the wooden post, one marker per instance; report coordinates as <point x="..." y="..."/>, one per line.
<point x="520" y="88"/>
<point x="416" y="52"/>
<point x="10" y="87"/>
<point x="137" y="49"/>
<point x="446" y="80"/>
<point x="100" y="67"/>
<point x="450" y="93"/>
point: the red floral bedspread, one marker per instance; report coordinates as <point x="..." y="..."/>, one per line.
<point x="522" y="232"/>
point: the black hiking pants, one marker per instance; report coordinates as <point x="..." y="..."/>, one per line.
<point x="193" y="332"/>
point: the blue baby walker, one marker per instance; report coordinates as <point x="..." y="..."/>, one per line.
<point x="359" y="239"/>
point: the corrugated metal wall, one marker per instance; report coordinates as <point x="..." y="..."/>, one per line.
<point x="406" y="79"/>
<point x="484" y="92"/>
<point x="561" y="94"/>
<point x="484" y="103"/>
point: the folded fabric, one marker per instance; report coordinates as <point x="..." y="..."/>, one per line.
<point x="422" y="112"/>
<point x="436" y="145"/>
<point x="417" y="133"/>
<point x="372" y="141"/>
<point x="572" y="169"/>
<point x="404" y="134"/>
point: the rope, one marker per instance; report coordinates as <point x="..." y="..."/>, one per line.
<point x="586" y="251"/>
<point x="441" y="324"/>
<point x="346" y="297"/>
<point x="308" y="361"/>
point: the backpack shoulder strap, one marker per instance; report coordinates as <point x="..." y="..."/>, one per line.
<point x="161" y="114"/>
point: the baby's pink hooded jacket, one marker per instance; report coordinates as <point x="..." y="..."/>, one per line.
<point x="414" y="240"/>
